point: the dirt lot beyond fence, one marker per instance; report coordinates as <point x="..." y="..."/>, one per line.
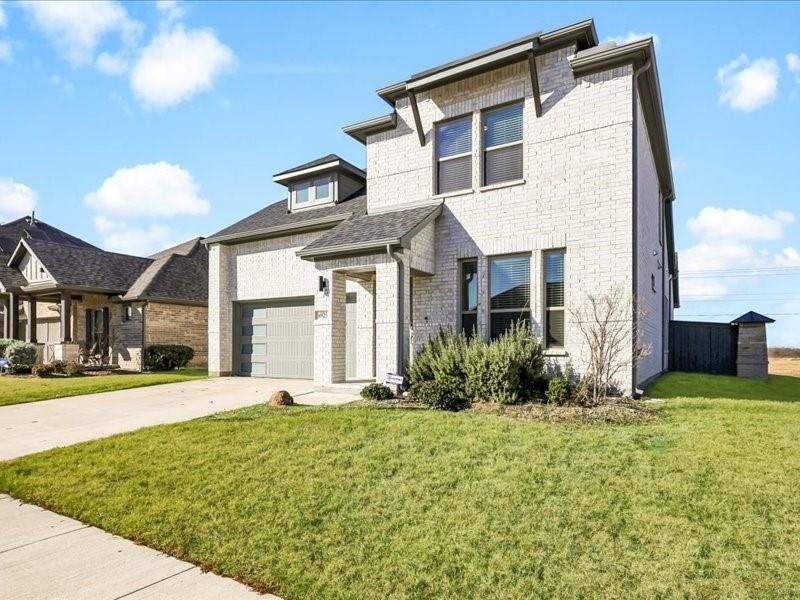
<point x="784" y="365"/>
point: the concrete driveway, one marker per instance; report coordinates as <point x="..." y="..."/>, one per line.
<point x="37" y="426"/>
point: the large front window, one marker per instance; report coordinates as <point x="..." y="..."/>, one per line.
<point x="454" y="155"/>
<point x="509" y="291"/>
<point x="502" y="144"/>
<point x="554" y="298"/>
<point x="469" y="296"/>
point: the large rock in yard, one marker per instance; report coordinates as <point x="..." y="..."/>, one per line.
<point x="280" y="398"/>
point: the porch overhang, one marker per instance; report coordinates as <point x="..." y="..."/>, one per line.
<point x="374" y="233"/>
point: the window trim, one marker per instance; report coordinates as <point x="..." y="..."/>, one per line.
<point x="484" y="149"/>
<point x="461" y="310"/>
<point x="547" y="309"/>
<point x="489" y="308"/>
<point x="311" y="186"/>
<point x="437" y="160"/>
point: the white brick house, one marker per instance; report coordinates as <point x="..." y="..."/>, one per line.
<point x="507" y="184"/>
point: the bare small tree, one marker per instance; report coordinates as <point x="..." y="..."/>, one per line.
<point x="612" y="340"/>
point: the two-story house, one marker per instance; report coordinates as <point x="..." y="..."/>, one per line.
<point x="503" y="185"/>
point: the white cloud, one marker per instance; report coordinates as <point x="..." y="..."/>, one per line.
<point x="735" y="225"/>
<point x="170" y="10"/>
<point x="77" y="27"/>
<point x="788" y="257"/>
<point x="793" y="64"/>
<point x="678" y="164"/>
<point x="3" y="19"/>
<point x="16" y="199"/>
<point x="633" y="36"/>
<point x="748" y="85"/>
<point x="111" y="64"/>
<point x="5" y="51"/>
<point x="121" y="236"/>
<point x="150" y="190"/>
<point x="62" y="83"/>
<point x="178" y="64"/>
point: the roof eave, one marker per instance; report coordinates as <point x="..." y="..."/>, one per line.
<point x="338" y="250"/>
<point x="333" y="165"/>
<point x="161" y="300"/>
<point x="359" y="131"/>
<point x="278" y="230"/>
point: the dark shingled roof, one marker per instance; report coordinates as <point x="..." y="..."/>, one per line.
<point x="33" y="229"/>
<point x="752" y="317"/>
<point x="10" y="278"/>
<point x="87" y="266"/>
<point x="179" y="273"/>
<point x="277" y="215"/>
<point x="317" y="162"/>
<point x="377" y="229"/>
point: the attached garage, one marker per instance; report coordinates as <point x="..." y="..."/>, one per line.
<point x="275" y="338"/>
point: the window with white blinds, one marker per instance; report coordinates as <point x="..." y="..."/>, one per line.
<point x="469" y="296"/>
<point x="454" y="155"/>
<point x="554" y="298"/>
<point x="509" y="292"/>
<point x="502" y="144"/>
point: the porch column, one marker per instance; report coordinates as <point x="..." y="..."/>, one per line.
<point x="4" y="326"/>
<point x="13" y="316"/>
<point x="66" y="321"/>
<point x="30" y="326"/>
<point x="330" y="325"/>
<point x="392" y="318"/>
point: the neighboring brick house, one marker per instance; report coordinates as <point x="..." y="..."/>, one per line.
<point x="69" y="296"/>
<point x="503" y="185"/>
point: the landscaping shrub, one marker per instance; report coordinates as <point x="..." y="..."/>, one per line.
<point x="21" y="356"/>
<point x="43" y="370"/>
<point x="559" y="390"/>
<point x="74" y="369"/>
<point x="508" y="370"/>
<point x="58" y="366"/>
<point x="377" y="391"/>
<point x="166" y="357"/>
<point x="4" y="343"/>
<point x="442" y="394"/>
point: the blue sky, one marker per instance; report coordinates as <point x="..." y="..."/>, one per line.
<point x="138" y="125"/>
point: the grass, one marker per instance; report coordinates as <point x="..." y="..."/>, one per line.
<point x="16" y="389"/>
<point x="781" y="388"/>
<point x="375" y="503"/>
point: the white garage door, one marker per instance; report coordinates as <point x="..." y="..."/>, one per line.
<point x="276" y="339"/>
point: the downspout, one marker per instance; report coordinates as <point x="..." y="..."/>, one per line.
<point x="400" y="307"/>
<point x="635" y="214"/>
<point x="144" y="331"/>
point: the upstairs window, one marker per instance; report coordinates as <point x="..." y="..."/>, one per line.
<point x="322" y="189"/>
<point x="509" y="291"/>
<point x="301" y="193"/>
<point x="554" y="298"/>
<point x="502" y="144"/>
<point x="454" y="155"/>
<point x="469" y="296"/>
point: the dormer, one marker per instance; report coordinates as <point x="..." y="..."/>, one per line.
<point x="322" y="182"/>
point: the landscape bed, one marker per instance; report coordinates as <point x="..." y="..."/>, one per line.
<point x="362" y="502"/>
<point x="17" y="389"/>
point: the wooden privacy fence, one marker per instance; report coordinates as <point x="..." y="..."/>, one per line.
<point x="703" y="347"/>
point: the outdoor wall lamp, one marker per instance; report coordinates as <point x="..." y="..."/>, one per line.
<point x="323" y="284"/>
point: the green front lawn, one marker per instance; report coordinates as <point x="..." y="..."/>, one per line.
<point x="16" y="389"/>
<point x="394" y="503"/>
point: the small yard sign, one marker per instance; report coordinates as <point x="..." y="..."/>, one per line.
<point x="395" y="379"/>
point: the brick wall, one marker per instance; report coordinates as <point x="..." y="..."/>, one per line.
<point x="178" y="324"/>
<point x="126" y="336"/>
<point x="577" y="192"/>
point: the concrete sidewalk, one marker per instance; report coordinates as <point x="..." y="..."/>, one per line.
<point x="36" y="426"/>
<point x="44" y="556"/>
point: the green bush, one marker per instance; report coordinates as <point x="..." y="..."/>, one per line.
<point x="442" y="394"/>
<point x="442" y="360"/>
<point x="4" y="343"/>
<point x="58" y="366"/>
<point x="377" y="391"/>
<point x="166" y="357"/>
<point x="21" y="356"/>
<point x="74" y="369"/>
<point x="43" y="370"/>
<point x="508" y="370"/>
<point x="559" y="390"/>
